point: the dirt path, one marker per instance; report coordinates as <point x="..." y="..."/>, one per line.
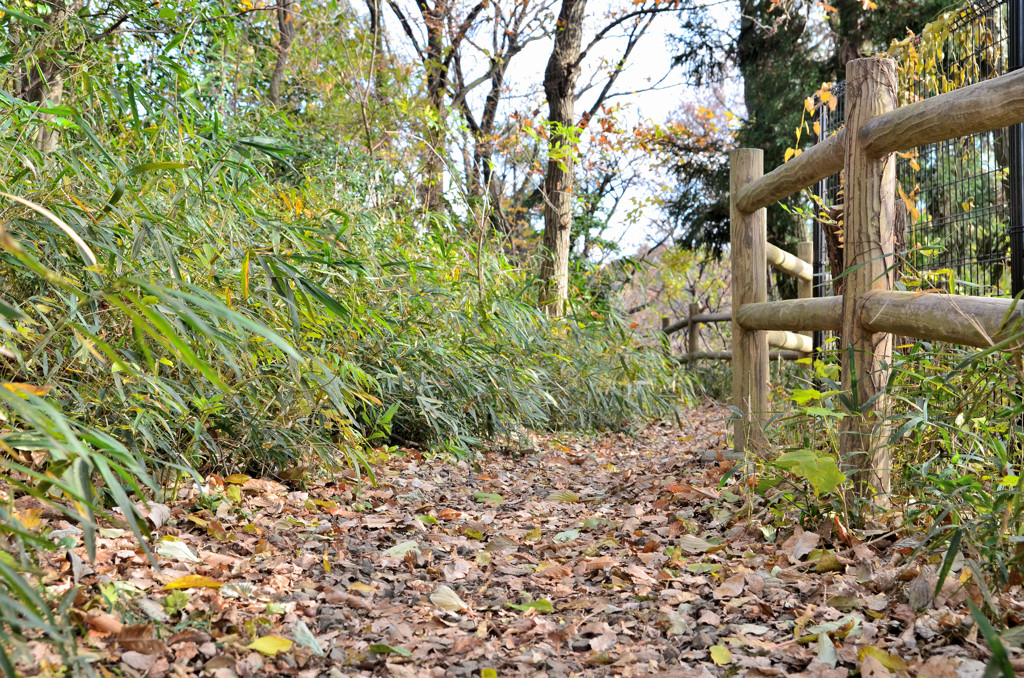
<point x="607" y="556"/>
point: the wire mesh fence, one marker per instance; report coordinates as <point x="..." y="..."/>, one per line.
<point x="956" y="197"/>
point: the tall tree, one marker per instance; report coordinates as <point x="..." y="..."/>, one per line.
<point x="287" y="13"/>
<point x="445" y="32"/>
<point x="560" y="77"/>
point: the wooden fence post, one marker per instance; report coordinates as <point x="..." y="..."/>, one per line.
<point x="805" y="288"/>
<point x="693" y="329"/>
<point x="868" y="252"/>
<point x="748" y="242"/>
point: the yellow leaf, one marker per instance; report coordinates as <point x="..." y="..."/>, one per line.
<point x="361" y="587"/>
<point x="193" y="581"/>
<point x="809" y="104"/>
<point x="889" y="661"/>
<point x="720" y="655"/>
<point x="789" y="154"/>
<point x="913" y="163"/>
<point x="270" y="645"/>
<point x="817" y="128"/>
<point x="29" y="519"/>
<point x="237" y="479"/>
<point x="26" y="388"/>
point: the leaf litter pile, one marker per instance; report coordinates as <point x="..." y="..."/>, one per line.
<point x="606" y="556"/>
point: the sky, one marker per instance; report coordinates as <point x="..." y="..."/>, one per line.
<point x="650" y="63"/>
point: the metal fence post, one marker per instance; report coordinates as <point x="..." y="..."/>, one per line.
<point x="1015" y="60"/>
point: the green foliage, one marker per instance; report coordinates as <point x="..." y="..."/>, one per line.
<point x="957" y="435"/>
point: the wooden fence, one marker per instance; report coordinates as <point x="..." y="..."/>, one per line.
<point x="791" y="346"/>
<point x="869" y="312"/>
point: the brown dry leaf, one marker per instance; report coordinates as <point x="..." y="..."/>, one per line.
<point x="800" y="543"/>
<point x="937" y="667"/>
<point x="156" y="514"/>
<point x="554" y="572"/>
<point x="104" y="622"/>
<point x="139" y="661"/>
<point x="872" y="668"/>
<point x="731" y="587"/>
<point x="140" y="638"/>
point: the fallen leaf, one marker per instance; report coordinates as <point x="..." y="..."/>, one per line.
<point x="731" y="587"/>
<point x="401" y="549"/>
<point x="720" y="655"/>
<point x="193" y="581"/>
<point x="381" y="648"/>
<point x="139" y="661"/>
<point x="140" y="638"/>
<point x="446" y="599"/>
<point x="800" y="544"/>
<point x="173" y="548"/>
<point x="305" y="638"/>
<point x="540" y="605"/>
<point x="270" y="645"/>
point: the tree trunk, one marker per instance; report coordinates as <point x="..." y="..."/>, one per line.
<point x="437" y="84"/>
<point x="287" y="13"/>
<point x="42" y="82"/>
<point x="560" y="87"/>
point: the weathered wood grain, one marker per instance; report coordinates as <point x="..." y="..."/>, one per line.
<point x="723" y="317"/>
<point x="819" y="161"/>
<point x="789" y="341"/>
<point x="748" y="237"/>
<point x="794" y="315"/>
<point x="727" y="355"/>
<point x="986" y="106"/>
<point x="869" y="263"/>
<point x="957" y="319"/>
<point x="805" y="288"/>
<point x="781" y="260"/>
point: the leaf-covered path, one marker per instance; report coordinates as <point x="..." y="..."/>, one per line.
<point x="605" y="556"/>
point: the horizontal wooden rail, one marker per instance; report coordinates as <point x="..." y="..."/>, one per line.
<point x="816" y="163"/>
<point x="723" y="317"/>
<point x="983" y="107"/>
<point x="790" y="341"/>
<point x="727" y="355"/>
<point x="794" y="315"/>
<point x="957" y="319"/>
<point x="781" y="260"/>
